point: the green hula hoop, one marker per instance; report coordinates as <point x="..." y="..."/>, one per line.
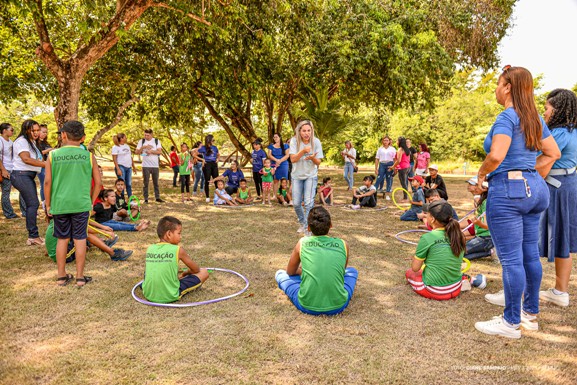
<point x="395" y="202"/>
<point x="130" y="200"/>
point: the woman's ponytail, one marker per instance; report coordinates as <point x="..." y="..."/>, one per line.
<point x="455" y="237"/>
<point x="115" y="140"/>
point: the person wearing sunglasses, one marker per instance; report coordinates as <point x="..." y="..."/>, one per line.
<point x="517" y="196"/>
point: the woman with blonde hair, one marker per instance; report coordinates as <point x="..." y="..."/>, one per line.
<point x="306" y="154"/>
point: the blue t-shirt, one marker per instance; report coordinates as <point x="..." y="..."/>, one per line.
<point x="209" y="158"/>
<point x="234" y="177"/>
<point x="278" y="153"/>
<point x="257" y="157"/>
<point x="519" y="157"/>
<point x="567" y="142"/>
<point x="418" y="196"/>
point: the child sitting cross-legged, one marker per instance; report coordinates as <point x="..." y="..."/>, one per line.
<point x="432" y="195"/>
<point x="104" y="213"/>
<point x="221" y="197"/>
<point x="283" y="195"/>
<point x="441" y="252"/>
<point x="162" y="281"/>
<point x="366" y="194"/>
<point x="326" y="192"/>
<point x="243" y="195"/>
<point x="317" y="279"/>
<point x="121" y="214"/>
<point x="480" y="243"/>
<point x="417" y="202"/>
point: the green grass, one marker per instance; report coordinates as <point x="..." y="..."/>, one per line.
<point x="388" y="334"/>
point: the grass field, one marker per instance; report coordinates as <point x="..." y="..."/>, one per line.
<point x="388" y="334"/>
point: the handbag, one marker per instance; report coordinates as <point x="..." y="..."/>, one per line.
<point x="355" y="168"/>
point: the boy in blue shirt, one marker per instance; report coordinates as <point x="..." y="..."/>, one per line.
<point x="418" y="200"/>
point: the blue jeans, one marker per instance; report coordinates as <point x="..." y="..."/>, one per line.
<point x="349" y="174"/>
<point x="198" y="176"/>
<point x="479" y="247"/>
<point x="291" y="285"/>
<point x="6" y="204"/>
<point x="412" y="170"/>
<point x="404" y="179"/>
<point x="410" y="215"/>
<point x="126" y="174"/>
<point x="175" y="171"/>
<point x="41" y="176"/>
<point x="385" y="175"/>
<point x="513" y="218"/>
<point x="120" y="226"/>
<point x="304" y="189"/>
<point x="24" y="181"/>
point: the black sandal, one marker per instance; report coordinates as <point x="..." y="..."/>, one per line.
<point x="63" y="281"/>
<point x="86" y="279"/>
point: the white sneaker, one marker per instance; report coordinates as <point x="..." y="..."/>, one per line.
<point x="557" y="299"/>
<point x="479" y="281"/>
<point x="207" y="200"/>
<point x="356" y="207"/>
<point x="496" y="299"/>
<point x="301" y="229"/>
<point x="529" y="322"/>
<point x="498" y="327"/>
<point x="388" y="198"/>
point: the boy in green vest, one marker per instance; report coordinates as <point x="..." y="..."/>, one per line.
<point x="323" y="284"/>
<point x="162" y="281"/>
<point x="69" y="174"/>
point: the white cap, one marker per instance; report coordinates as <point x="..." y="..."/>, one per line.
<point x="473" y="181"/>
<point x="434" y="167"/>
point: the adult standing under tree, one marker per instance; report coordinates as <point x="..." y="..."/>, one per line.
<point x="198" y="164"/>
<point x="209" y="159"/>
<point x="384" y="160"/>
<point x="558" y="225"/>
<point x="27" y="164"/>
<point x="123" y="161"/>
<point x="349" y="155"/>
<point x="306" y="154"/>
<point x="278" y="153"/>
<point x="150" y="149"/>
<point x="402" y="165"/>
<point x="517" y="196"/>
<point x="423" y="158"/>
<point x="45" y="148"/>
<point x="6" y="166"/>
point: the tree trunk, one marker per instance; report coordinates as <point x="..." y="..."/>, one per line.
<point x="69" y="84"/>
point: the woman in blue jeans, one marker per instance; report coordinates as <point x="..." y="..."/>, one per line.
<point x="306" y="154"/>
<point x="27" y="164"/>
<point x="198" y="174"/>
<point x="517" y="196"/>
<point x="349" y="155"/>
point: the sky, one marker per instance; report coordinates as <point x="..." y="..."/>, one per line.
<point x="543" y="39"/>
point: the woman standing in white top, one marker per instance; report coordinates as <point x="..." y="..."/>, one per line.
<point x="123" y="163"/>
<point x="6" y="162"/>
<point x="383" y="161"/>
<point x="306" y="154"/>
<point x="350" y="156"/>
<point x="27" y="164"/>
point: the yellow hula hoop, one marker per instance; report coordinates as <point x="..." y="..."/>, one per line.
<point x="395" y="202"/>
<point x="99" y="231"/>
<point x="468" y="265"/>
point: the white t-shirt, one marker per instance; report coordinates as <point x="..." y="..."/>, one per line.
<point x="6" y="153"/>
<point x="351" y="152"/>
<point x="149" y="160"/>
<point x="123" y="155"/>
<point x="21" y="145"/>
<point x="364" y="189"/>
<point x="386" y="154"/>
<point x="304" y="169"/>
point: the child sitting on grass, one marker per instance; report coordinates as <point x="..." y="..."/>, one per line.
<point x="104" y="212"/>
<point x="221" y="197"/>
<point x="432" y="195"/>
<point x="326" y="192"/>
<point x="121" y="205"/>
<point x="162" y="281"/>
<point x="243" y="195"/>
<point x="479" y="244"/>
<point x="366" y="195"/>
<point x="283" y="195"/>
<point x="442" y="251"/>
<point x="322" y="284"/>
<point x="417" y="202"/>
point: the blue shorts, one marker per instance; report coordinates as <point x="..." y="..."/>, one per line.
<point x="73" y="226"/>
<point x="188" y="284"/>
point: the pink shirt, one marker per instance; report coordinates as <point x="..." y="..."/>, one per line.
<point x="423" y="160"/>
<point x="405" y="161"/>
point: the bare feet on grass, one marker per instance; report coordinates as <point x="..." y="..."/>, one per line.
<point x="143" y="225"/>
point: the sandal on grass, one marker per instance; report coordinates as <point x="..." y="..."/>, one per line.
<point x="84" y="280"/>
<point x="63" y="281"/>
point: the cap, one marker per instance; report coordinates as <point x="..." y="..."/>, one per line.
<point x="418" y="178"/>
<point x="473" y="181"/>
<point x="441" y="210"/>
<point x="434" y="167"/>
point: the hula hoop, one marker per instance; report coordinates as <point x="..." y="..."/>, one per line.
<point x="398" y="236"/>
<point x="473" y="223"/>
<point x="395" y="202"/>
<point x="466" y="215"/>
<point x="467" y="267"/>
<point x="130" y="200"/>
<point x="179" y="305"/>
<point x="239" y="206"/>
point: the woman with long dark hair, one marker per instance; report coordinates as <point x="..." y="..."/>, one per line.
<point x="403" y="165"/>
<point x="209" y="158"/>
<point x="517" y="196"/>
<point x="45" y="148"/>
<point x="27" y="164"/>
<point x="558" y="225"/>
<point x="198" y="163"/>
<point x="123" y="161"/>
<point x="278" y="153"/>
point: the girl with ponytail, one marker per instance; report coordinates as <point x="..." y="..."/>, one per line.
<point x="441" y="253"/>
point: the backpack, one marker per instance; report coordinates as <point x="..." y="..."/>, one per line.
<point x="144" y="140"/>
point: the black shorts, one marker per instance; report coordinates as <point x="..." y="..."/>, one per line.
<point x="73" y="226"/>
<point x="188" y="284"/>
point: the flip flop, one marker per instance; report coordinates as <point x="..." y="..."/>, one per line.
<point x="63" y="281"/>
<point x="86" y="279"/>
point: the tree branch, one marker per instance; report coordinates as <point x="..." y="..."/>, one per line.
<point x="45" y="50"/>
<point x="187" y="14"/>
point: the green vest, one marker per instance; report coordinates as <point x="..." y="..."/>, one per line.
<point x="323" y="261"/>
<point x="71" y="180"/>
<point x="50" y="241"/>
<point x="479" y="231"/>
<point x="243" y="194"/>
<point x="184" y="159"/>
<point x="161" y="282"/>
